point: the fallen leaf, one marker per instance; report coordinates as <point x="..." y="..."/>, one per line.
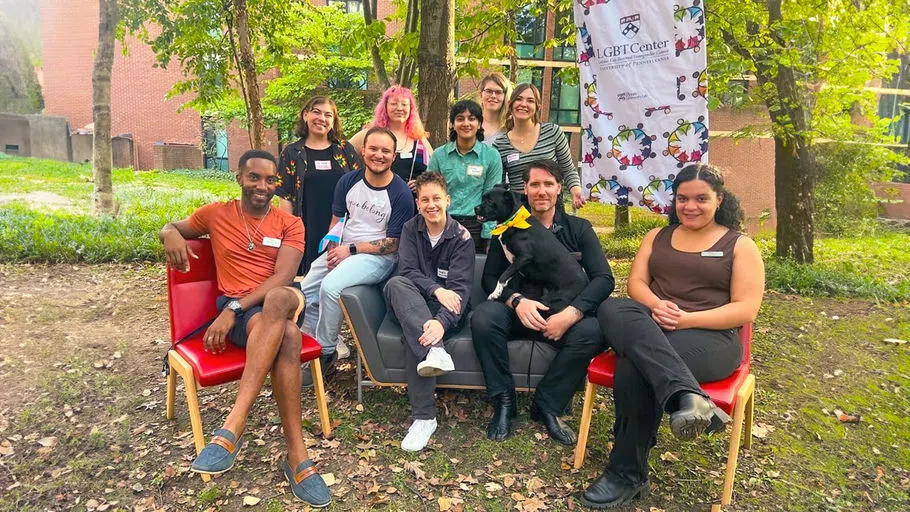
<point x="895" y="341"/>
<point x="846" y="418"/>
<point x="251" y="501"/>
<point x="492" y="487"/>
<point x="445" y="503"/>
<point x="533" y="505"/>
<point x="48" y="442"/>
<point x="508" y="481"/>
<point x="329" y="479"/>
<point x="761" y="430"/>
<point x="669" y="457"/>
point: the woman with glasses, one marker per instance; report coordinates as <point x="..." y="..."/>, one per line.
<point x="397" y="111"/>
<point x="494" y="89"/>
<point x="527" y="140"/>
<point x="309" y="168"/>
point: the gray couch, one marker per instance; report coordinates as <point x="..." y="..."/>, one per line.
<point x="381" y="348"/>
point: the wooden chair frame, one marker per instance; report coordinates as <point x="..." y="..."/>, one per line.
<point x="742" y="420"/>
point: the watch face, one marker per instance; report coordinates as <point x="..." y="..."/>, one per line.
<point x="234" y="305"/>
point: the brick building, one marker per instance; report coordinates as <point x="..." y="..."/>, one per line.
<point x="164" y="137"/>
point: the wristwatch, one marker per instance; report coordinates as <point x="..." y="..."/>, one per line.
<point x="234" y="306"/>
<point x="515" y="300"/>
<point x="352" y="248"/>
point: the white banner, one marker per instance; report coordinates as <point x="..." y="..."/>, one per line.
<point x="644" y="111"/>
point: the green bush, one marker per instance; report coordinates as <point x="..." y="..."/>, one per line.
<point x="844" y="201"/>
<point x="815" y="280"/>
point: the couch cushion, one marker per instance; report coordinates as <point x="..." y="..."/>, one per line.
<point x="461" y="347"/>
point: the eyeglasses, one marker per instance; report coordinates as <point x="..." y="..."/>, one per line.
<point x="493" y="92"/>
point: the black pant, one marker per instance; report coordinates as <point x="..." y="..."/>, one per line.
<point x="493" y="324"/>
<point x="411" y="309"/>
<point x="654" y="366"/>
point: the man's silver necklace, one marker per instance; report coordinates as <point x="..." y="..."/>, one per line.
<point x="251" y="246"/>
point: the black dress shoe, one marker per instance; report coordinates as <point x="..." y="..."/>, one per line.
<point x="504" y="411"/>
<point x="693" y="416"/>
<point x="557" y="429"/>
<point x="608" y="493"/>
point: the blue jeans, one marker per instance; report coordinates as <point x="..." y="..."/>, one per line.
<point x="322" y="288"/>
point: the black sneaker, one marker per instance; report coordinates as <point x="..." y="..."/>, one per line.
<point x="328" y="369"/>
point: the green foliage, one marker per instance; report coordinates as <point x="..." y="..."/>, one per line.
<point x="844" y="201"/>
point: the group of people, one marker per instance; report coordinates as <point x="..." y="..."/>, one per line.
<point x="692" y="283"/>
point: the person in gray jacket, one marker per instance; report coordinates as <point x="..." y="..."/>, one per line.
<point x="429" y="298"/>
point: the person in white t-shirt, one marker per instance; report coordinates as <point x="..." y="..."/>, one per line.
<point x="375" y="204"/>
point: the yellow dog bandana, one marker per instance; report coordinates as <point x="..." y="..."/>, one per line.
<point x="518" y="220"/>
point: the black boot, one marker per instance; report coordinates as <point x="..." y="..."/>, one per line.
<point x="692" y="417"/>
<point x="557" y="429"/>
<point x="504" y="411"/>
<point x="327" y="361"/>
<point x="607" y="492"/>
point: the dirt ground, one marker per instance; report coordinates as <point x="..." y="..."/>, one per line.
<point x="82" y="426"/>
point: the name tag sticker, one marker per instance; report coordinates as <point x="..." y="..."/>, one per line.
<point x="442" y="273"/>
<point x="512" y="158"/>
<point x="712" y="254"/>
<point x="475" y="170"/>
<point x="404" y="154"/>
<point x="323" y="165"/>
<point x="271" y="242"/>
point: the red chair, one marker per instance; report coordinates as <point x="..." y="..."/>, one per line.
<point x="735" y="395"/>
<point x="191" y="303"/>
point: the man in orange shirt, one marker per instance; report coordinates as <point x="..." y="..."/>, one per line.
<point x="257" y="250"/>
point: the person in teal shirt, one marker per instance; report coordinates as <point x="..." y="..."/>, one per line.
<point x="470" y="168"/>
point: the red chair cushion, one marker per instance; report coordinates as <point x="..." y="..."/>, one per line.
<point x="191" y="303"/>
<point x="214" y="369"/>
<point x="722" y="392"/>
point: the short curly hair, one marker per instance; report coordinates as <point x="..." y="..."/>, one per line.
<point x="431" y="177"/>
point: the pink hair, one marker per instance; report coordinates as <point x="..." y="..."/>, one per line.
<point x="413" y="127"/>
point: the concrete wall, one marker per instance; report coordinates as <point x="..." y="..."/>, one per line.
<point x="82" y="147"/>
<point x="898" y="200"/>
<point x="177" y="156"/>
<point x="50" y="137"/>
<point x="14" y="131"/>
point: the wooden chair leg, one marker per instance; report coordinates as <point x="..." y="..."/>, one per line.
<point x="171" y="390"/>
<point x="747" y="427"/>
<point x="738" y="416"/>
<point x="584" y="425"/>
<point x="321" y="402"/>
<point x="192" y="403"/>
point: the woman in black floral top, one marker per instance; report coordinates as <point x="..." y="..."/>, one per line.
<point x="309" y="169"/>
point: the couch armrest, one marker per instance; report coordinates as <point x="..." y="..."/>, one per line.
<point x="365" y="308"/>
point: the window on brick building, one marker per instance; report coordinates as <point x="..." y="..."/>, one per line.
<point x="528" y="75"/>
<point x="736" y="94"/>
<point x="214" y="146"/>
<point x="897" y="107"/>
<point x="348" y="6"/>
<point x="531" y="26"/>
<point x="564" y="103"/>
<point x="565" y="22"/>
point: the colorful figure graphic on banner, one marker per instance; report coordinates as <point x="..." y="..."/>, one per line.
<point x="663" y="108"/>
<point x="649" y="194"/>
<point x="587" y="4"/>
<point x="690" y="27"/>
<point x="585" y="38"/>
<point x="679" y="81"/>
<point x="688" y="142"/>
<point x="701" y="90"/>
<point x="621" y="191"/>
<point x="594" y="153"/>
<point x="632" y="146"/>
<point x="591" y="101"/>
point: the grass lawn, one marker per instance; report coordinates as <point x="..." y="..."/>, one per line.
<point x="81" y="396"/>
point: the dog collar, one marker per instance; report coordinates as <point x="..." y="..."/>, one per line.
<point x="518" y="220"/>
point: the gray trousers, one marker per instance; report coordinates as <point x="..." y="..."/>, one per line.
<point x="411" y="309"/>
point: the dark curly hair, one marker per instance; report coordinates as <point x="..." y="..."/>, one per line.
<point x="729" y="214"/>
<point x="471" y="107"/>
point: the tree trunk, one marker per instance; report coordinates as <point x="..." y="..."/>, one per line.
<point x="794" y="198"/>
<point x="369" y="16"/>
<point x="250" y="79"/>
<point x="436" y="62"/>
<point x="621" y="217"/>
<point x="103" y="197"/>
<point x="405" y="73"/>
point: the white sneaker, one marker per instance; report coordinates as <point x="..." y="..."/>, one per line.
<point x="343" y="351"/>
<point x="438" y="362"/>
<point x="418" y="435"/>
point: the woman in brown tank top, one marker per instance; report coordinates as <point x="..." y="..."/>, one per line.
<point x="692" y="285"/>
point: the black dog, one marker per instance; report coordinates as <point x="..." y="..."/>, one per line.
<point x="534" y="251"/>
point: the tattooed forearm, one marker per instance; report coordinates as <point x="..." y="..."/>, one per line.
<point x="384" y="246"/>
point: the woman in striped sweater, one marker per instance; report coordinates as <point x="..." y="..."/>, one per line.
<point x="527" y="140"/>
